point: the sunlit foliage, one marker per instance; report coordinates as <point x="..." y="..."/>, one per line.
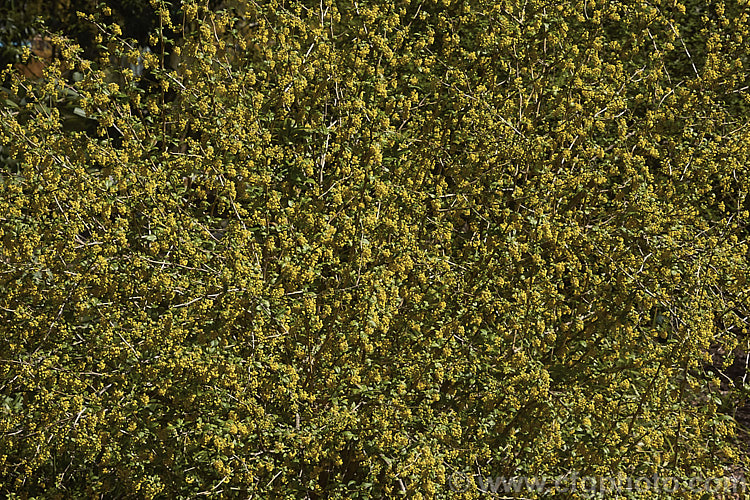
<point x="347" y="249"/>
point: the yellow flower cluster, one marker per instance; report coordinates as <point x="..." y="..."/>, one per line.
<point x="342" y="249"/>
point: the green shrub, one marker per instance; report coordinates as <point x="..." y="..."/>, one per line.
<point x="348" y="250"/>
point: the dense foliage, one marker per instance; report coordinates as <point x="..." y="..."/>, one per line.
<point x="348" y="249"/>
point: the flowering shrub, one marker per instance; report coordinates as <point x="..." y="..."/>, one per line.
<point x="348" y="249"/>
